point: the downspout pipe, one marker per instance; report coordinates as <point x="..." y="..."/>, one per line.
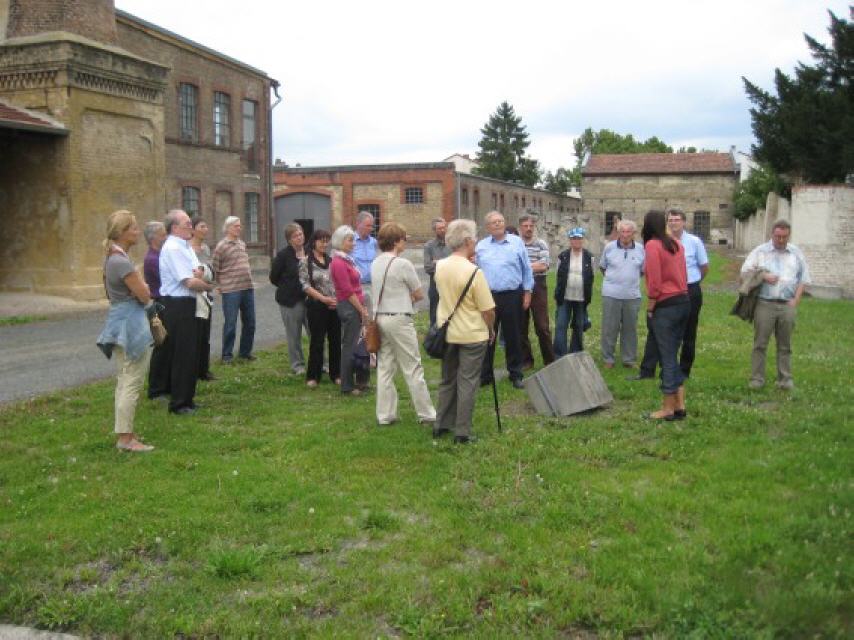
<point x="274" y="85"/>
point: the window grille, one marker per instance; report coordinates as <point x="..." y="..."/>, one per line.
<point x="222" y="119"/>
<point x="188" y="104"/>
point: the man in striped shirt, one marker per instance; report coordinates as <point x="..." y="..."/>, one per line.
<point x="234" y="280"/>
<point x="540" y="259"/>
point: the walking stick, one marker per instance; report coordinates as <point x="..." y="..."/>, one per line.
<point x="495" y="397"/>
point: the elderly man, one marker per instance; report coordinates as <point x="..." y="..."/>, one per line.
<point x="697" y="263"/>
<point x="622" y="264"/>
<point x="435" y="250"/>
<point x="786" y="276"/>
<point x="155" y="236"/>
<point x="180" y="279"/>
<point x="234" y="279"/>
<point x="504" y="261"/>
<point x="540" y="259"/>
<point x="364" y="251"/>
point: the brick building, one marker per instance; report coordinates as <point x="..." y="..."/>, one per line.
<point x="412" y="194"/>
<point x="628" y="185"/>
<point x="131" y="116"/>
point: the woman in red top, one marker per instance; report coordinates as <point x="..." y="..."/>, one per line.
<point x="668" y="309"/>
<point x="350" y="307"/>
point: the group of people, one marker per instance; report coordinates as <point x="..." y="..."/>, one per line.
<point x="332" y="285"/>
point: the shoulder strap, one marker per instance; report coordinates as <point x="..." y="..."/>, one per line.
<point x="462" y="295"/>
<point x="382" y="288"/>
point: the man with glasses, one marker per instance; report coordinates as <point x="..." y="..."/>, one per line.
<point x="540" y="259"/>
<point x="786" y="277"/>
<point x="622" y="265"/>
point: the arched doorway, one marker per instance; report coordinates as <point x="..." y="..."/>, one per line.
<point x="309" y="210"/>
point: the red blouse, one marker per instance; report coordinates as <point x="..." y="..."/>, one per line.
<point x="666" y="273"/>
<point x="346" y="279"/>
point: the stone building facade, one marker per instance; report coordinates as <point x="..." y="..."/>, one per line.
<point x="412" y="194"/>
<point x="109" y="101"/>
<point x="628" y="185"/>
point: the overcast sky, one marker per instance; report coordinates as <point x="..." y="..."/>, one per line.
<point x="376" y="81"/>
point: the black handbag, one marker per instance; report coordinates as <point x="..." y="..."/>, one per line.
<point x="436" y="340"/>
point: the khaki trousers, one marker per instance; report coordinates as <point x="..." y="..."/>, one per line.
<point x="772" y="318"/>
<point x="399" y="349"/>
<point x="461" y="368"/>
<point x="129" y="382"/>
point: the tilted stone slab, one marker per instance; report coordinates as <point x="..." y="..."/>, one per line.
<point x="571" y="384"/>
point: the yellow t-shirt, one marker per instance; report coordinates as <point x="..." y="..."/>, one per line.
<point x="467" y="325"/>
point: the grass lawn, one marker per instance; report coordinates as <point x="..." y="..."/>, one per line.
<point x="282" y="512"/>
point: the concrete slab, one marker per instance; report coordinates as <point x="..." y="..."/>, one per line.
<point x="571" y="384"/>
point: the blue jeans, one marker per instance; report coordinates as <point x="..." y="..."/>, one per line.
<point x="668" y="325"/>
<point x="243" y="301"/>
<point x="569" y="313"/>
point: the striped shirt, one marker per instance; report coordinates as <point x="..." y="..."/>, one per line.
<point x="231" y="266"/>
<point x="538" y="251"/>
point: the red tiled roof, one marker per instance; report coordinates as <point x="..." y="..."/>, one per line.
<point x="12" y="117"/>
<point x="655" y="163"/>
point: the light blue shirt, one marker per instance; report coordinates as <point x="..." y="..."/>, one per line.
<point x="695" y="256"/>
<point x="622" y="267"/>
<point x="177" y="261"/>
<point x="505" y="263"/>
<point x="364" y="252"/>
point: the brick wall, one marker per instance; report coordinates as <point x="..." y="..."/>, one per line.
<point x="94" y="19"/>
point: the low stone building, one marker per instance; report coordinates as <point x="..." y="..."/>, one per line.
<point x="629" y="185"/>
<point x="103" y="111"/>
<point x="412" y="194"/>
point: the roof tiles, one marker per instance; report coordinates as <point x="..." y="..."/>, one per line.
<point x="658" y="163"/>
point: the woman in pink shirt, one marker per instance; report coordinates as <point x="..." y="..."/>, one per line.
<point x="668" y="309"/>
<point x="350" y="307"/>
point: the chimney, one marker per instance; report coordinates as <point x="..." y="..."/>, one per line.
<point x="93" y="19"/>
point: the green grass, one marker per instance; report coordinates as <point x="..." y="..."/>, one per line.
<point x="279" y="511"/>
<point x="11" y="320"/>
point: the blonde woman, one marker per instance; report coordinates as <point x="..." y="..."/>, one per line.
<point x="126" y="333"/>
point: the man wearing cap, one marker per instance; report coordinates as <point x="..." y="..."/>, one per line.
<point x="540" y="259"/>
<point x="504" y="260"/>
<point x="697" y="263"/>
<point x="573" y="293"/>
<point x="622" y="264"/>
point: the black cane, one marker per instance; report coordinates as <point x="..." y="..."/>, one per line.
<point x="495" y="397"/>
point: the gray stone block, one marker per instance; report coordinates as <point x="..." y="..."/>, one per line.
<point x="571" y="384"/>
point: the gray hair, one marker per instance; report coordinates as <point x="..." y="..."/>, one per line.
<point x="340" y="235"/>
<point x="172" y="219"/>
<point x="781" y="223"/>
<point x="436" y="222"/>
<point x="492" y="214"/>
<point x="627" y="223"/>
<point x="151" y="230"/>
<point x="528" y="216"/>
<point x="230" y="220"/>
<point x="458" y="232"/>
<point x="363" y="215"/>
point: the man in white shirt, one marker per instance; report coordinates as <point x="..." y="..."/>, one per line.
<point x="786" y="277"/>
<point x="180" y="279"/>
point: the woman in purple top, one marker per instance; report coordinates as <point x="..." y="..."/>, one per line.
<point x="155" y="235"/>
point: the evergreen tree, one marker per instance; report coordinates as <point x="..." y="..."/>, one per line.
<point x="558" y="182"/>
<point x="806" y="130"/>
<point x="502" y="149"/>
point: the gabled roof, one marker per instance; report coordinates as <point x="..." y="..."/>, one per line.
<point x="658" y="163"/>
<point x="12" y="117"/>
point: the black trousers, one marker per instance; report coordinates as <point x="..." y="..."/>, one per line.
<point x="204" y="333"/>
<point x="433" y="297"/>
<point x="651" y="356"/>
<point x="324" y="326"/>
<point x="508" y="316"/>
<point x="180" y="353"/>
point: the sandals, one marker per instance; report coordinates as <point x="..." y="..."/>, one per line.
<point x="134" y="446"/>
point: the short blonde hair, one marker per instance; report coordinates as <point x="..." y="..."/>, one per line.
<point x="117" y="223"/>
<point x="290" y="229"/>
<point x="458" y="232"/>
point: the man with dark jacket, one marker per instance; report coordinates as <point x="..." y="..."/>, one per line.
<point x="573" y="293"/>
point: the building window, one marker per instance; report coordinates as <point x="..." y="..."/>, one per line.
<point x="191" y="198"/>
<point x="702" y="225"/>
<point x="222" y="119"/>
<point x="250" y="213"/>
<point x="374" y="210"/>
<point x="188" y="105"/>
<point x="723" y="206"/>
<point x="494" y="200"/>
<point x="250" y="123"/>
<point x="464" y="197"/>
<point x="413" y="195"/>
<point x="476" y="198"/>
<point x="516" y="202"/>
<point x="523" y="202"/>
<point x="611" y="219"/>
<point x="501" y="197"/>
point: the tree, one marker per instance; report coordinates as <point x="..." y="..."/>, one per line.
<point x="558" y="182"/>
<point x="806" y="130"/>
<point x="502" y="149"/>
<point x="751" y="194"/>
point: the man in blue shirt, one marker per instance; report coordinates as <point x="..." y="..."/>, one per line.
<point x="697" y="262"/>
<point x="364" y="251"/>
<point x="504" y="261"/>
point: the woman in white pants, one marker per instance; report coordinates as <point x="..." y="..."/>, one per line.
<point x="126" y="333"/>
<point x="396" y="286"/>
